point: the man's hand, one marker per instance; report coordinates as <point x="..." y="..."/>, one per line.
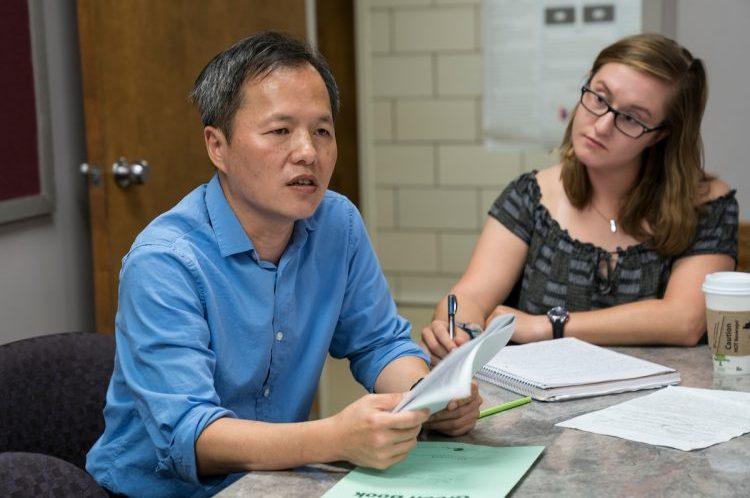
<point x="529" y="328"/>
<point x="459" y="417"/>
<point x="437" y="340"/>
<point x="368" y="434"/>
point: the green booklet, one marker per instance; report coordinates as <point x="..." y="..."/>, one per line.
<point x="443" y="469"/>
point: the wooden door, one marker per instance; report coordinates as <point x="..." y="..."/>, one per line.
<point x="139" y="59"/>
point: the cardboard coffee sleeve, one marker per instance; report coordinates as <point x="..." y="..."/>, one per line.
<point x="728" y="332"/>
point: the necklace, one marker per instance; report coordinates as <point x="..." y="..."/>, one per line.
<point x="612" y="224"/>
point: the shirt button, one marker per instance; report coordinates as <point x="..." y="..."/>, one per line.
<point x="279" y="336"/>
<point x="266" y="393"/>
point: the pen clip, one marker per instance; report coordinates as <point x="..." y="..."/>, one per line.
<point x="452" y="305"/>
<point x="452" y="308"/>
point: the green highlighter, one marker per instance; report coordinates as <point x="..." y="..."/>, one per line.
<point x="504" y="407"/>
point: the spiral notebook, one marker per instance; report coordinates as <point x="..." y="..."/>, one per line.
<point x="570" y="368"/>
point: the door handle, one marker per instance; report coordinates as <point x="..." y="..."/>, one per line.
<point x="125" y="174"/>
<point x="91" y="171"/>
<point x="130" y="174"/>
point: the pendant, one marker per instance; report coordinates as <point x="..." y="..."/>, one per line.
<point x="612" y="225"/>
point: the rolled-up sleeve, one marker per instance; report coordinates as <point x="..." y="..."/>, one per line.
<point x="369" y="332"/>
<point x="163" y="343"/>
<point x="717" y="228"/>
<point x="515" y="206"/>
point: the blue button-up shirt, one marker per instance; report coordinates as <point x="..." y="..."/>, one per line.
<point x="205" y="329"/>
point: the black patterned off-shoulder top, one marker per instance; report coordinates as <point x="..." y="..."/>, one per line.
<point x="563" y="271"/>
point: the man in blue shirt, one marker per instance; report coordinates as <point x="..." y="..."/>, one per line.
<point x="230" y="302"/>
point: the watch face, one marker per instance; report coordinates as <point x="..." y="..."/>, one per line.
<point x="558" y="314"/>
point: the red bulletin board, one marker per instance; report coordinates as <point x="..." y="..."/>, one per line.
<point x="25" y="135"/>
<point x="18" y="128"/>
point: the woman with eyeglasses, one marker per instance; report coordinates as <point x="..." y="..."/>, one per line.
<point x="612" y="244"/>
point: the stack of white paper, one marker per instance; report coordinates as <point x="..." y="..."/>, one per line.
<point x="451" y="378"/>
<point x="685" y="418"/>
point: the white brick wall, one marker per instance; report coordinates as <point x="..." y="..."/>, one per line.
<point x="430" y="29"/>
<point x="432" y="179"/>
<point x="459" y="74"/>
<point x="436" y="208"/>
<point x="418" y="288"/>
<point x="380" y="32"/>
<point x="397" y="164"/>
<point x="455" y="251"/>
<point x="386" y="203"/>
<point x="457" y="2"/>
<point x="402" y="76"/>
<point x="408" y="251"/>
<point x="383" y="120"/>
<point x="487" y="196"/>
<point x="399" y="3"/>
<point x="475" y="165"/>
<point x="437" y="120"/>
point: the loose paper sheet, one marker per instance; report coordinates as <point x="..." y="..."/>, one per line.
<point x="443" y="469"/>
<point x="685" y="418"/>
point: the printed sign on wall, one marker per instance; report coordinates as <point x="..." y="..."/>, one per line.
<point x="537" y="54"/>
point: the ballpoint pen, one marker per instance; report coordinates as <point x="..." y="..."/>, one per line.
<point x="452" y="307"/>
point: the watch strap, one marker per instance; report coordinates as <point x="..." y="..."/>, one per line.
<point x="558" y="329"/>
<point x="558" y="317"/>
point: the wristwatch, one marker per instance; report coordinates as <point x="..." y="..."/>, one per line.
<point x="558" y="317"/>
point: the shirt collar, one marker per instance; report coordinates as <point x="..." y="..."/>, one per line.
<point x="230" y="236"/>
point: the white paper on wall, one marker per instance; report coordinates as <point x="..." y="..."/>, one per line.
<point x="537" y="55"/>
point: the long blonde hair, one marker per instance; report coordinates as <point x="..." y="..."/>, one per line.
<point x="661" y="209"/>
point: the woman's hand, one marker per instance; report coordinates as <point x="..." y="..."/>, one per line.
<point x="437" y="341"/>
<point x="529" y="328"/>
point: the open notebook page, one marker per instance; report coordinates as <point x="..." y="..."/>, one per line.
<point x="569" y="362"/>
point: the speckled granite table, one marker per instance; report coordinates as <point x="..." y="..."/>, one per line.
<point x="577" y="463"/>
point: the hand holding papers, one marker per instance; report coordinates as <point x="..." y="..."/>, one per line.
<point x="451" y="378"/>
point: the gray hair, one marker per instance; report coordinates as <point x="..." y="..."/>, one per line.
<point x="217" y="90"/>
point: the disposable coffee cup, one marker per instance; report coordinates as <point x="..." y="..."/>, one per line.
<point x="728" y="320"/>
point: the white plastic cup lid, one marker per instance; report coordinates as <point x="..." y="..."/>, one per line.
<point x="727" y="283"/>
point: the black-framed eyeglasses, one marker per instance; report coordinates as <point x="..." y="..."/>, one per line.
<point x="627" y="124"/>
